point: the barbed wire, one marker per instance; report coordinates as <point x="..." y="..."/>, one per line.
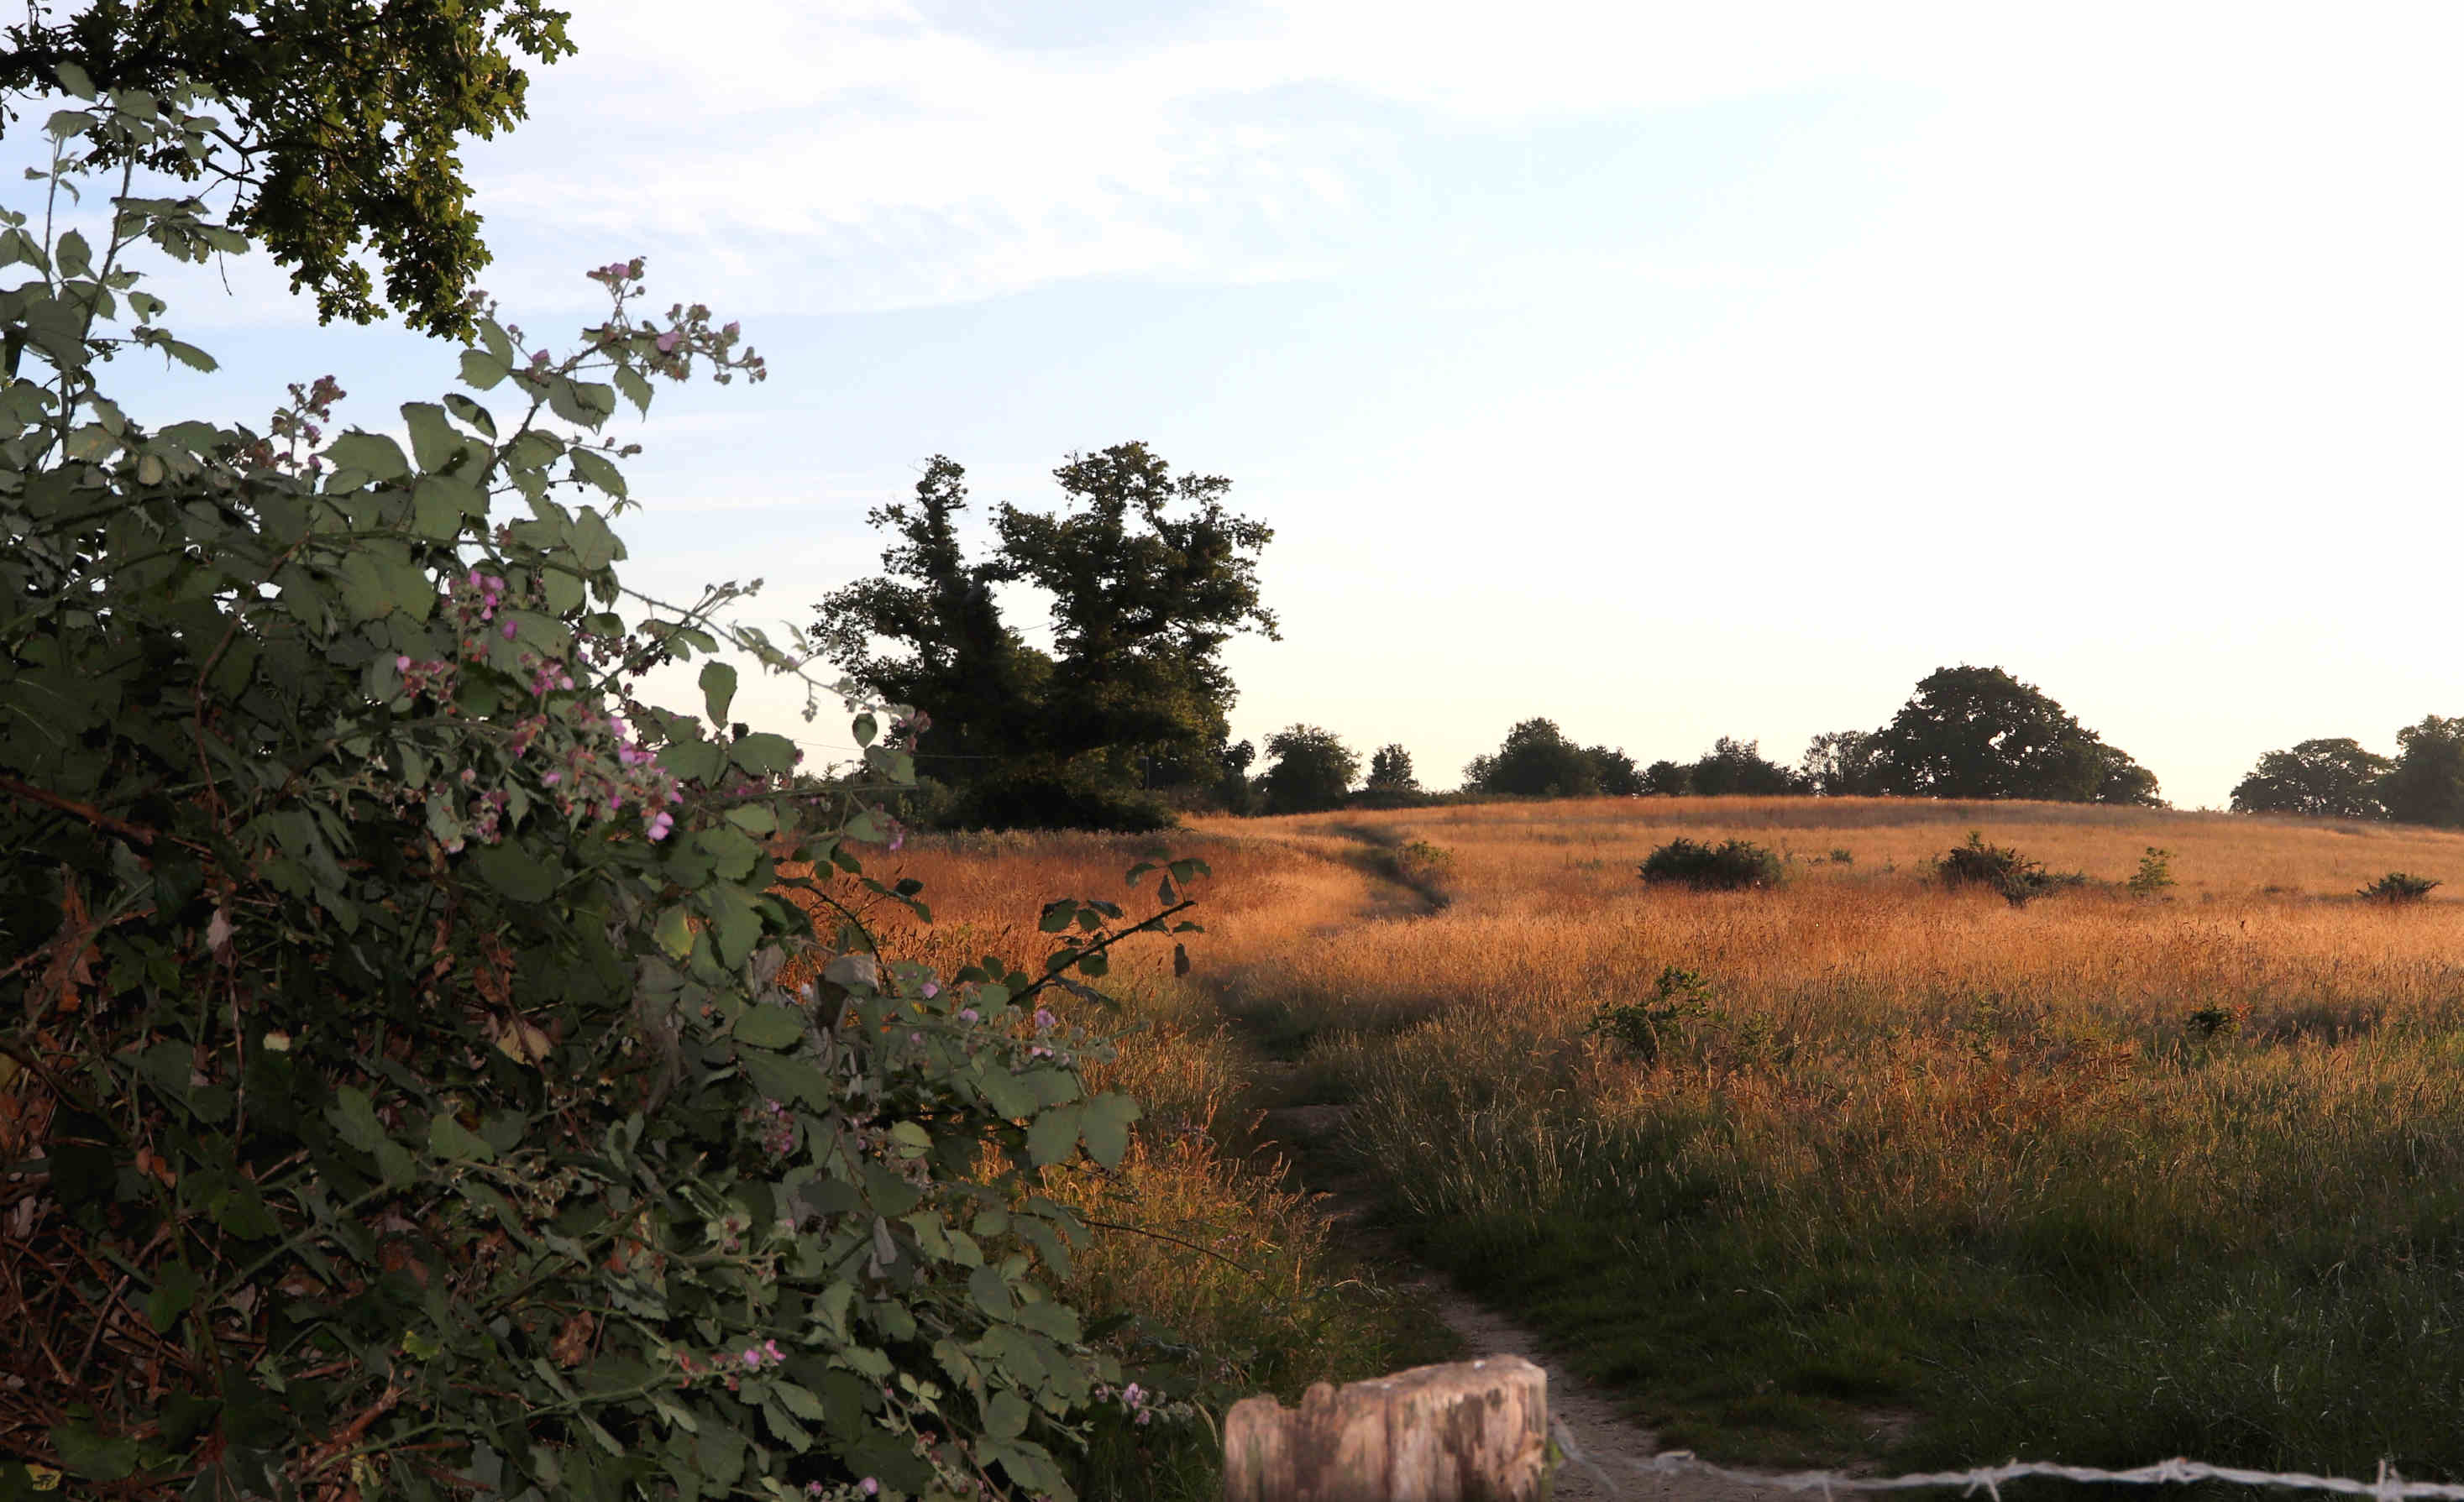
<point x="2389" y="1486"/>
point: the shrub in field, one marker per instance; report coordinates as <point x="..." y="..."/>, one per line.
<point x="2397" y="888"/>
<point x="395" y="1002"/>
<point x="1425" y="868"/>
<point x="2003" y="870"/>
<point x="1732" y="866"/>
<point x="2216" y="1020"/>
<point x="1680" y="1001"/>
<point x="2155" y="873"/>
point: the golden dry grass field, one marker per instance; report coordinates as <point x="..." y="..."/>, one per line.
<point x="1895" y="1169"/>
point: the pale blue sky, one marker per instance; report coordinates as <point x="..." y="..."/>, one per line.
<point x="1671" y="371"/>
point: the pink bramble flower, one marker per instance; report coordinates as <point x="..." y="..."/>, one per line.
<point x="967" y="1015"/>
<point x="509" y="630"/>
<point x="552" y="778"/>
<point x="1043" y="1020"/>
<point x="932" y="988"/>
<point x="660" y="824"/>
<point x="401" y="663"/>
<point x="770" y="1349"/>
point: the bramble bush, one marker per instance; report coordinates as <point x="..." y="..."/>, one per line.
<point x="2399" y="888"/>
<point x="2002" y="870"/>
<point x="1730" y="866"/>
<point x="397" y="1095"/>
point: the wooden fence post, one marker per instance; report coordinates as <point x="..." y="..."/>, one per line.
<point x="1471" y="1432"/>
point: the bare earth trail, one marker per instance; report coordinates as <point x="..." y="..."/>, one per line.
<point x="1609" y="1441"/>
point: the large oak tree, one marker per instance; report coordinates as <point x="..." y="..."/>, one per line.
<point x="1978" y="733"/>
<point x="2327" y="778"/>
<point x="1148" y="575"/>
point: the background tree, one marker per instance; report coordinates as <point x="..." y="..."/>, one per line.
<point x="1389" y="770"/>
<point x="1667" y="779"/>
<point x="1733" y="767"/>
<point x="926" y="630"/>
<point x="1841" y="764"/>
<point x="2325" y="778"/>
<point x="1149" y="576"/>
<point x="346" y="120"/>
<point x="1312" y="769"/>
<point x="1613" y="772"/>
<point x="1535" y="761"/>
<point x="2426" y="785"/>
<point x="1978" y="733"/>
<point x="1233" y="787"/>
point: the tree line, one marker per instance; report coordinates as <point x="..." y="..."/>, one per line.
<point x="2422" y="783"/>
<point x="1966" y="732"/>
<point x="1122" y="722"/>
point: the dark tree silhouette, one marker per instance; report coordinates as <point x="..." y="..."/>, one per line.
<point x="2327" y="778"/>
<point x="1978" y="733"/>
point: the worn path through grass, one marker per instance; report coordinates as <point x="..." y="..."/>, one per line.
<point x="2101" y="1179"/>
<point x="1306" y="1136"/>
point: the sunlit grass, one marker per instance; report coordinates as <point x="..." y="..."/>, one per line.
<point x="2103" y="1178"/>
<point x="1927" y="1151"/>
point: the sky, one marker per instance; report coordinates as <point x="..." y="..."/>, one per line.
<point x="1670" y="371"/>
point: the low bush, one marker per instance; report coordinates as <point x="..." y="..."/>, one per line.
<point x="2003" y="870"/>
<point x="1732" y="865"/>
<point x="2154" y="874"/>
<point x="1683" y="1023"/>
<point x="2397" y="888"/>
<point x="1681" y="1001"/>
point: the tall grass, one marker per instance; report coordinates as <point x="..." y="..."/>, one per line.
<point x="2105" y="1177"/>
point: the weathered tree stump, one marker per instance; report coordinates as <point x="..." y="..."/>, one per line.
<point x="1471" y="1432"/>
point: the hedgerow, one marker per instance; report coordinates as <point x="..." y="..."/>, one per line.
<point x="397" y="1095"/>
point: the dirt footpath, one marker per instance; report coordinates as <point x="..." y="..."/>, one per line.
<point x="1609" y="1442"/>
